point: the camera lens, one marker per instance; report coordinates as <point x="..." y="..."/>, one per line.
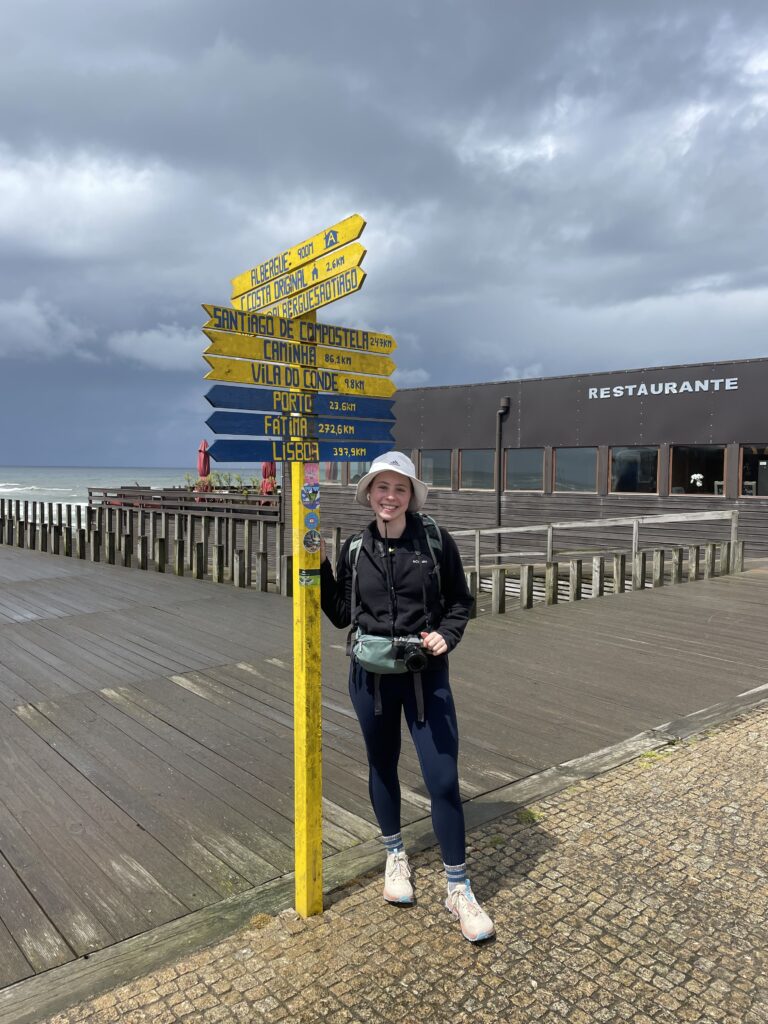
<point x="415" y="659"/>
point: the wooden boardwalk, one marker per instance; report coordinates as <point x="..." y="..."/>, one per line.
<point x="146" y="742"/>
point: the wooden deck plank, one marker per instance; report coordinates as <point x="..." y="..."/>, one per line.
<point x="181" y="837"/>
<point x="91" y="805"/>
<point x="223" y="830"/>
<point x="32" y="931"/>
<point x="120" y="894"/>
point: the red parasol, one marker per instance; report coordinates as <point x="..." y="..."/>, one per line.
<point x="268" y="469"/>
<point x="203" y="460"/>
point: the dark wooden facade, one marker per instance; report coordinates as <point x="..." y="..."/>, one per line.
<point x="720" y="404"/>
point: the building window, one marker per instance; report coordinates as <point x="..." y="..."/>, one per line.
<point x="436" y="467"/>
<point x="634" y="470"/>
<point x="476" y="469"/>
<point x="330" y="472"/>
<point x="524" y="469"/>
<point x="357" y="471"/>
<point x="576" y="469"/>
<point x="698" y="469"/>
<point x="754" y="470"/>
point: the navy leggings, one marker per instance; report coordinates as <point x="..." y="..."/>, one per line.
<point x="437" y="744"/>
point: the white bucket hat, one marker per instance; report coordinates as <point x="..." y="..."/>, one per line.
<point x="394" y="462"/>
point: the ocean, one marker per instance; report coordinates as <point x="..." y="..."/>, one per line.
<point x="69" y="485"/>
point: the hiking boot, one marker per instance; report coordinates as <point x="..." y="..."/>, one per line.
<point x="475" y="923"/>
<point x="397" y="879"/>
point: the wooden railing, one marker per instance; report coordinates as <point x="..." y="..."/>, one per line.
<point x="181" y="499"/>
<point x="548" y="529"/>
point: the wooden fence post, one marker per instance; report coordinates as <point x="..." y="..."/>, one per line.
<point x="110" y="547"/>
<point x="68" y="541"/>
<point x="676" y="575"/>
<point x="218" y="563"/>
<point x="658" y="568"/>
<point x="127" y="550"/>
<point x="725" y="559"/>
<point x="81" y="541"/>
<point x="709" y="561"/>
<point x="574" y="579"/>
<point x="238" y="567"/>
<point x="552" y="572"/>
<point x="638" y="571"/>
<point x="598" y="575"/>
<point x="95" y="546"/>
<point x="472" y="585"/>
<point x="694" y="554"/>
<point x="738" y="556"/>
<point x="178" y="556"/>
<point x="526" y="586"/>
<point x="160" y="557"/>
<point x="619" y="572"/>
<point x="248" y="549"/>
<point x="279" y="554"/>
<point x="550" y="543"/>
<point x="55" y="538"/>
<point x="143" y="552"/>
<point x="498" y="589"/>
<point x="198" y="569"/>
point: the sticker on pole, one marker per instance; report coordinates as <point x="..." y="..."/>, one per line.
<point x="310" y="496"/>
<point x="309" y="577"/>
<point x="311" y="541"/>
<point x="311" y="473"/>
<point x="311" y="519"/>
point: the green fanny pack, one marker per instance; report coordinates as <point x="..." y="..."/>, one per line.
<point x="386" y="655"/>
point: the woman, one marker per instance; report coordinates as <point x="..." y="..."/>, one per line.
<point x="403" y="578"/>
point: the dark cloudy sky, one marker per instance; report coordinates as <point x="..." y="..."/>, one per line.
<point x="549" y="187"/>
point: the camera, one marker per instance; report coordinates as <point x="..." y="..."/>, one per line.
<point x="410" y="651"/>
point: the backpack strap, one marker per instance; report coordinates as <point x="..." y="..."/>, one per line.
<point x="354" y="553"/>
<point x="434" y="542"/>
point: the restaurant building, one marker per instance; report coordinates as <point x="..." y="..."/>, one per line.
<point x="632" y="442"/>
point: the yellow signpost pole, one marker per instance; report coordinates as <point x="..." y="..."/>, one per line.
<point x="307" y="683"/>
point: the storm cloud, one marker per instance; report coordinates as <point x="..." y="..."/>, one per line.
<point x="549" y="188"/>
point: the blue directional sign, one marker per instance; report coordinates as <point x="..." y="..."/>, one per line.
<point x="249" y="424"/>
<point x="230" y="396"/>
<point x="296" y="451"/>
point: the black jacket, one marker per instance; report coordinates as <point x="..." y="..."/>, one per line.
<point x="413" y="577"/>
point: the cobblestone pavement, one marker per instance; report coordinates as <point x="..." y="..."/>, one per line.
<point x="640" y="895"/>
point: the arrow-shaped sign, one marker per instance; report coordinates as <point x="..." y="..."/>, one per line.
<point x="245" y="424"/>
<point x="295" y="451"/>
<point x="275" y="375"/>
<point x="224" y="318"/>
<point x="317" y="295"/>
<point x="346" y="230"/>
<point x="296" y="353"/>
<point x="301" y="278"/>
<point x="230" y="396"/>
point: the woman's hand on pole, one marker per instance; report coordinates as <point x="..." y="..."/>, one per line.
<point x="323" y="551"/>
<point x="434" y="643"/>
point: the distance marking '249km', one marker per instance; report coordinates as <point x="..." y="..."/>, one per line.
<point x="267" y="325"/>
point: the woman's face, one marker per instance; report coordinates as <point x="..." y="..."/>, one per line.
<point x="390" y="494"/>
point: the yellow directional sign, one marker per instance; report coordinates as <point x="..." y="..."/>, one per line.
<point x="299" y="280"/>
<point x="318" y="245"/>
<point x="296" y="352"/>
<point x="267" y="325"/>
<point x="317" y="295"/>
<point x="309" y="378"/>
